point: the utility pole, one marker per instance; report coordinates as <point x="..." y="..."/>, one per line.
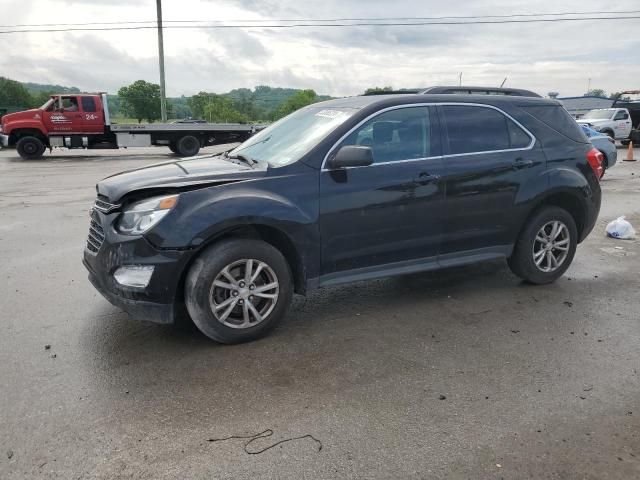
<point x="163" y="98"/>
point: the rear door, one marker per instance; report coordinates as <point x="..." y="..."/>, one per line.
<point x="92" y="120"/>
<point x="389" y="212"/>
<point x="487" y="158"/>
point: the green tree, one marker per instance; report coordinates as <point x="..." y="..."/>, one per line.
<point x="141" y="100"/>
<point x="596" y="92"/>
<point x="296" y="102"/>
<point x="14" y="94"/>
<point x="215" y="108"/>
<point x="199" y="101"/>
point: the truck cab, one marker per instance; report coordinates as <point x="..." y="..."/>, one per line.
<point x="615" y="122"/>
<point x="64" y="120"/>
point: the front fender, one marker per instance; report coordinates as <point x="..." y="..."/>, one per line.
<point x="288" y="203"/>
<point x="16" y="125"/>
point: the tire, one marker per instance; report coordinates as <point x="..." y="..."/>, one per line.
<point x="188" y="146"/>
<point x="229" y="324"/>
<point x="522" y="261"/>
<point x="625" y="142"/>
<point x="30" y="148"/>
<point x="609" y="133"/>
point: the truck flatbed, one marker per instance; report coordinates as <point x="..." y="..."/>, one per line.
<point x="181" y="127"/>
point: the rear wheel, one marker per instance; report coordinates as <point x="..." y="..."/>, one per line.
<point x="188" y="146"/>
<point x="238" y="290"/>
<point x="30" y="148"/>
<point x="546" y="246"/>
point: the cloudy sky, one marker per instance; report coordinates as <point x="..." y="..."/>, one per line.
<point x="337" y="61"/>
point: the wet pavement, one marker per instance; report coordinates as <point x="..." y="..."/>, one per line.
<point x="464" y="373"/>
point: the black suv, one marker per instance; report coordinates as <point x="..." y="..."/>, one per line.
<point x="340" y="191"/>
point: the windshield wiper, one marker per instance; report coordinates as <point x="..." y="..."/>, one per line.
<point x="243" y="157"/>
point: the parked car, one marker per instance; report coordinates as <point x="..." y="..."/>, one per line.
<point x="605" y="144"/>
<point x="615" y="122"/>
<point x="340" y="191"/>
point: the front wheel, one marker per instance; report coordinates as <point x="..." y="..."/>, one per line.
<point x="30" y="148"/>
<point x="238" y="290"/>
<point x="546" y="246"/>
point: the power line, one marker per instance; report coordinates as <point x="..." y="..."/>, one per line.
<point x="323" y="25"/>
<point x="306" y="20"/>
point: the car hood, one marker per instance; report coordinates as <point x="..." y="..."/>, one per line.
<point x="179" y="174"/>
<point x="593" y="121"/>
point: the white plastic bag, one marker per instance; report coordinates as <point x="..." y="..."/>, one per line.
<point x="620" y="228"/>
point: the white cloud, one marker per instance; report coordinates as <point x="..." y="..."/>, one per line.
<point x="337" y="61"/>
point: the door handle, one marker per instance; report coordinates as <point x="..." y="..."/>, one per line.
<point x="425" y="177"/>
<point x="521" y="163"/>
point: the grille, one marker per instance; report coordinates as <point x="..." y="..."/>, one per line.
<point x="104" y="206"/>
<point x="96" y="237"/>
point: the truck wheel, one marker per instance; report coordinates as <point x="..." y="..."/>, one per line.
<point x="625" y="142"/>
<point x="546" y="246"/>
<point x="238" y="290"/>
<point x="188" y="146"/>
<point x="30" y="148"/>
<point x="609" y="133"/>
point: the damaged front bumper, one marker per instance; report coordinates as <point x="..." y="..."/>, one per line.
<point x="160" y="299"/>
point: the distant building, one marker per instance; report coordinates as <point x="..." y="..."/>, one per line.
<point x="578" y="106"/>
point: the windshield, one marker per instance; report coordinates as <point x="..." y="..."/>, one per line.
<point x="599" y="114"/>
<point x="287" y="140"/>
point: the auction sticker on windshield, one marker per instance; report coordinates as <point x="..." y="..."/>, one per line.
<point x="329" y="113"/>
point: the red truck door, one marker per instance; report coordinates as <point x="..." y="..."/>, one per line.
<point x="64" y="116"/>
<point x="92" y="117"/>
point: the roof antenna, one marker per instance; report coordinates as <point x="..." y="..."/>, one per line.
<point x="503" y="82"/>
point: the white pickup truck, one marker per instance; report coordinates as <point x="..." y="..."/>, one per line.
<point x="615" y="122"/>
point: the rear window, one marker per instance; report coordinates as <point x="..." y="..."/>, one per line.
<point x="559" y="119"/>
<point x="88" y="105"/>
<point x="473" y="129"/>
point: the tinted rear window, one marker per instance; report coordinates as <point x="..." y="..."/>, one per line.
<point x="88" y="105"/>
<point x="559" y="119"/>
<point x="481" y="129"/>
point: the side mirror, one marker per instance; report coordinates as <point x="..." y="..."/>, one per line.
<point x="351" y="156"/>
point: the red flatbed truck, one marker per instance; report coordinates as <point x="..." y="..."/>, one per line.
<point x="83" y="121"/>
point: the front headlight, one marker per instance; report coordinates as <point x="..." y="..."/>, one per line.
<point x="139" y="217"/>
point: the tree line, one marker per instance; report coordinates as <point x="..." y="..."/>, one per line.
<point x="141" y="101"/>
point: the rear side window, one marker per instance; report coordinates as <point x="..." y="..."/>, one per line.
<point x="474" y="129"/>
<point x="559" y="119"/>
<point x="88" y="105"/>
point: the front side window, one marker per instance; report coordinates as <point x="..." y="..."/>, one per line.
<point x="70" y="104"/>
<point x="401" y="134"/>
<point x="474" y="129"/>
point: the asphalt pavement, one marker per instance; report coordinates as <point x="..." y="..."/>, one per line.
<point x="464" y="374"/>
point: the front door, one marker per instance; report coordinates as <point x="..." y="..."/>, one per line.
<point x="487" y="158"/>
<point x="388" y="214"/>
<point x="64" y="116"/>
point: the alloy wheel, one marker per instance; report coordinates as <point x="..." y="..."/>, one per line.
<point x="551" y="246"/>
<point x="244" y="293"/>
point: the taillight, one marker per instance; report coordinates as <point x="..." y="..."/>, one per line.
<point x="596" y="159"/>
